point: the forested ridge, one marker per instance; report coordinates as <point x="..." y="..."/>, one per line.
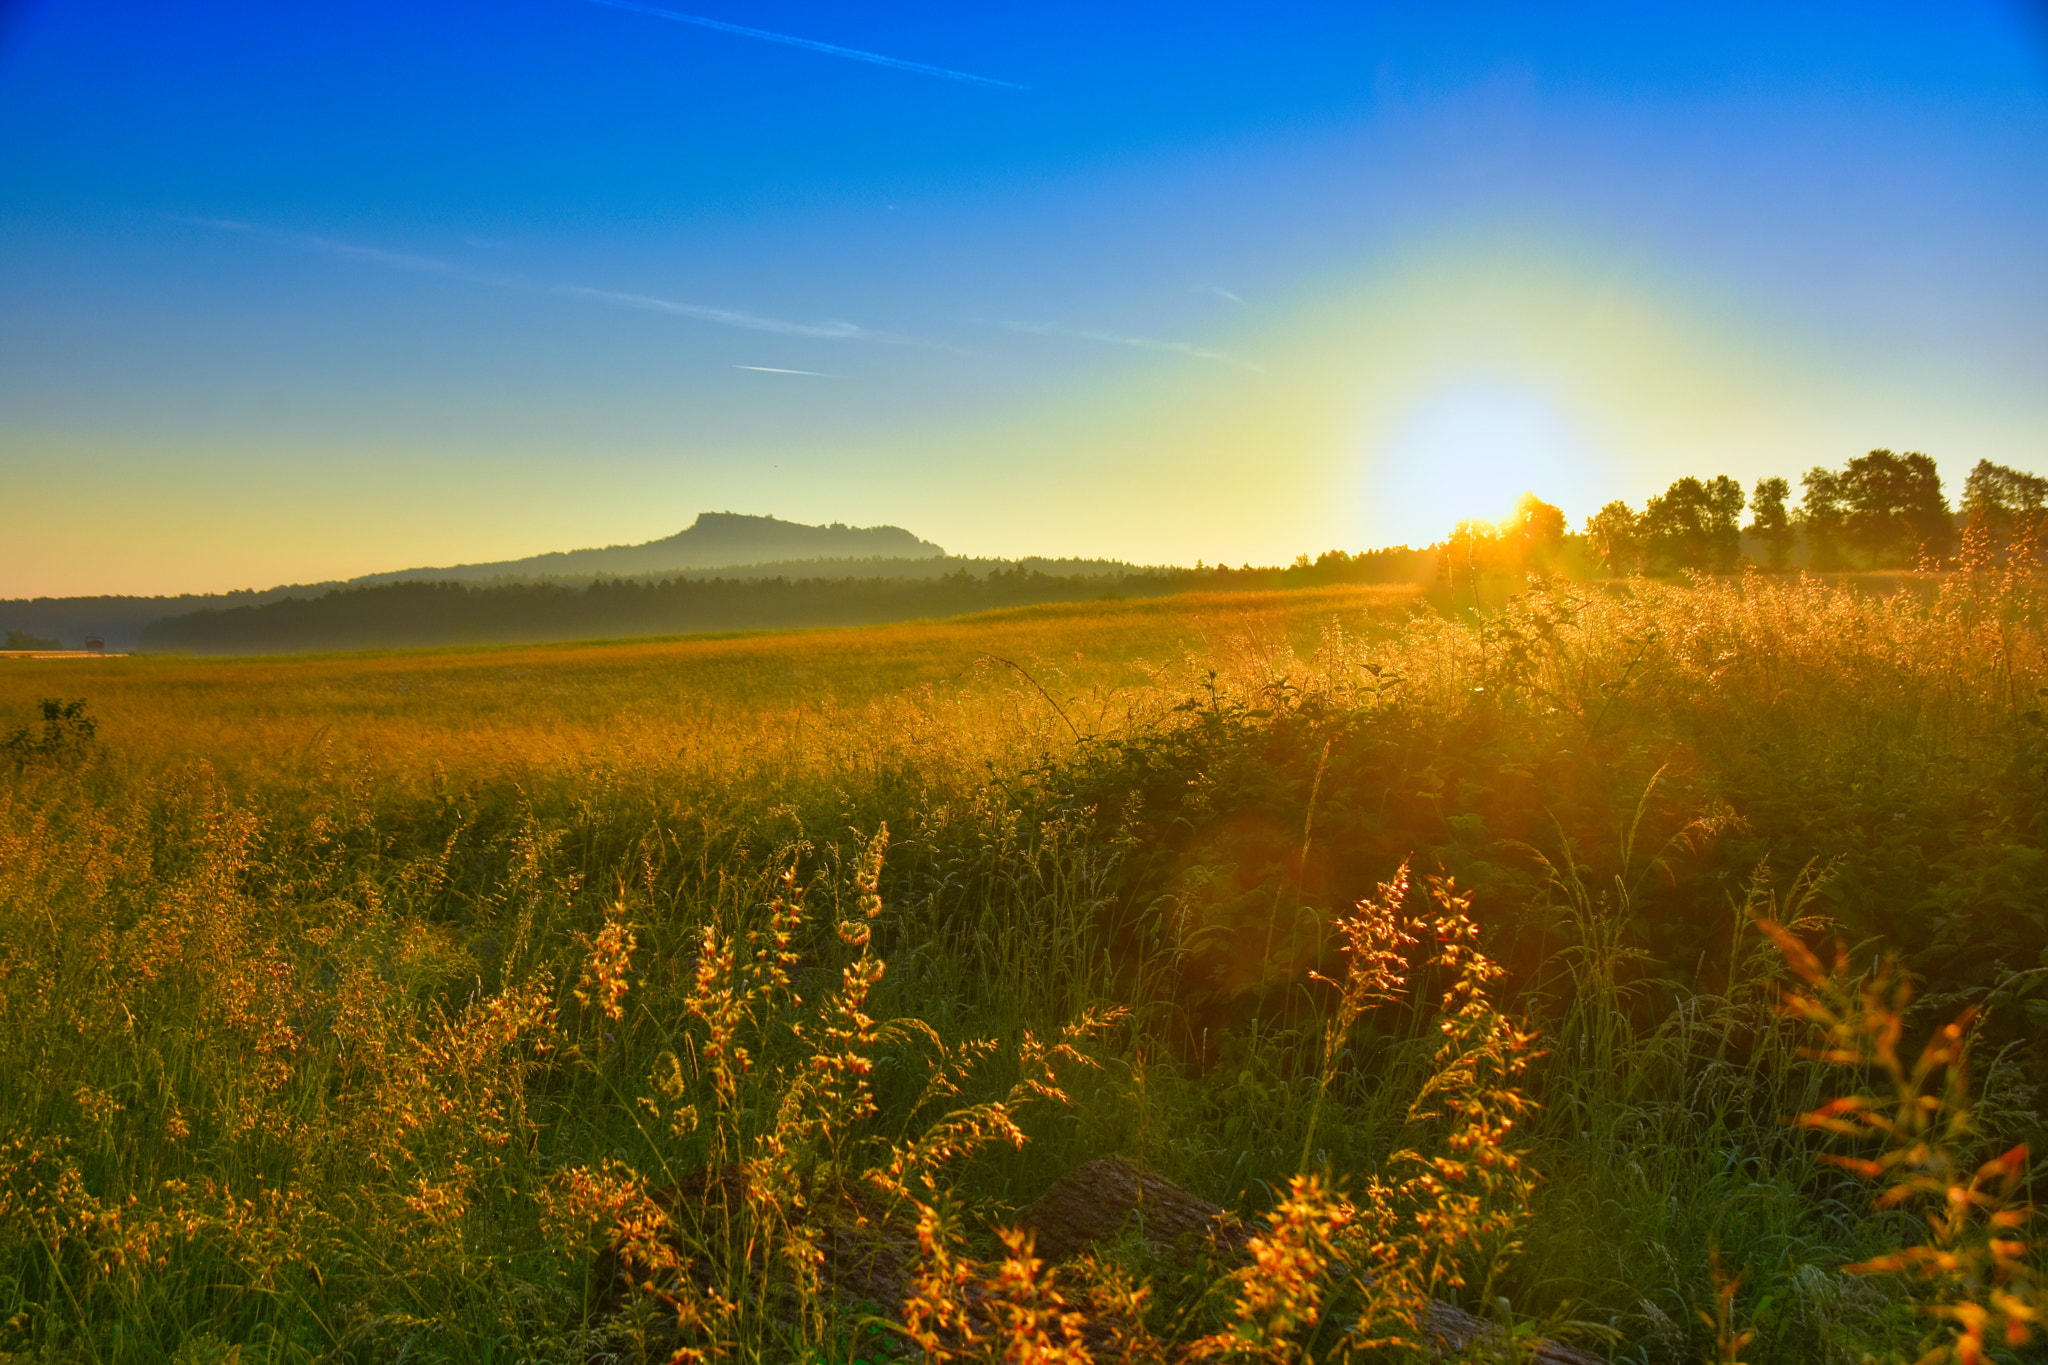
<point x="397" y="615"/>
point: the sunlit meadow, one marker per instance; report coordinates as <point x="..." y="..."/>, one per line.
<point x="729" y="998"/>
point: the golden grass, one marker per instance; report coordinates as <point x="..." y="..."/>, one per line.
<point x="350" y="1006"/>
<point x="782" y="698"/>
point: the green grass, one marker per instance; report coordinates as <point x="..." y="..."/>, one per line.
<point x="292" y="1060"/>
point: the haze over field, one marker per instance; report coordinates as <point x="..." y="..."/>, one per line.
<point x="296" y="296"/>
<point x="724" y="571"/>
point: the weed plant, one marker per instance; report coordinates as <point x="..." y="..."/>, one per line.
<point x="731" y="997"/>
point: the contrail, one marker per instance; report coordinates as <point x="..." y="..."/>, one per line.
<point x="812" y="45"/>
<point x="772" y="369"/>
<point x="1050" y="329"/>
<point x="395" y="260"/>
<point x="830" y="329"/>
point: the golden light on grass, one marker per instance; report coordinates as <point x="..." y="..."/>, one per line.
<point x="729" y="995"/>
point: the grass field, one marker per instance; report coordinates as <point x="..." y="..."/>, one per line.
<point x="386" y="1006"/>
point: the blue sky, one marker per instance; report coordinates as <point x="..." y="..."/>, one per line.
<point x="290" y="293"/>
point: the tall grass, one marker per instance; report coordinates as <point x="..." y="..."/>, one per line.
<point x="565" y="1003"/>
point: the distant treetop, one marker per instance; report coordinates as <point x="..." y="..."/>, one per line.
<point x="1881" y="510"/>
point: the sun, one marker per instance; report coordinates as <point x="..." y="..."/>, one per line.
<point x="1469" y="451"/>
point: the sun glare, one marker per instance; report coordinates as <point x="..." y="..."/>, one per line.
<point x="1470" y="451"/>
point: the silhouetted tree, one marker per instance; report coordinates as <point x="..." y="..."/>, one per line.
<point x="1896" y="513"/>
<point x="1724" y="522"/>
<point x="1530" y="540"/>
<point x="1534" y="535"/>
<point x="1695" y="524"/>
<point x="2006" y="511"/>
<point x="1471" y="549"/>
<point x="1995" y="491"/>
<point x="1615" y="536"/>
<point x="1821" y="517"/>
<point x="1395" y="564"/>
<point x="1769" y="521"/>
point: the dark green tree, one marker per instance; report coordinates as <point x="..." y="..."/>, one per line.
<point x="1615" y="536"/>
<point x="2006" y="511"/>
<point x="1674" y="526"/>
<point x="1725" y="501"/>
<point x="1695" y="524"/>
<point x="1996" y="492"/>
<point x="1895" y="511"/>
<point x="1770" y="521"/>
<point x="1821" y="517"/>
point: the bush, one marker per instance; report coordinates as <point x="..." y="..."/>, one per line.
<point x="67" y="732"/>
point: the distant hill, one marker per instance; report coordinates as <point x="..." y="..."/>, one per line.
<point x="725" y="572"/>
<point x="740" y="545"/>
<point x="715" y="540"/>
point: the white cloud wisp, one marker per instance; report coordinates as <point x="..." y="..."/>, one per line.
<point x="812" y="45"/>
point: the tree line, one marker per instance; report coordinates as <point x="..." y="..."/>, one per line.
<point x="1879" y="511"/>
<point x="416" y="613"/>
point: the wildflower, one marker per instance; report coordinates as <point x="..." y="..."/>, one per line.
<point x="604" y="971"/>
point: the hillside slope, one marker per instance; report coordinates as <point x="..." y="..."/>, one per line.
<point x="715" y="540"/>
